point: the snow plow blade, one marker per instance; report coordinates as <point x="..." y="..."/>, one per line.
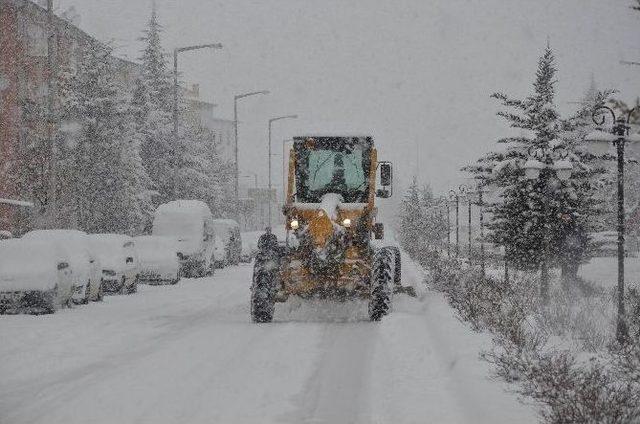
<point x="408" y="290"/>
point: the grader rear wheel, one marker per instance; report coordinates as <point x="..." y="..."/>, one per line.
<point x="381" y="282"/>
<point x="263" y="292"/>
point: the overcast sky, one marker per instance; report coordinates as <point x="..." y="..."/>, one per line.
<point x="415" y="74"/>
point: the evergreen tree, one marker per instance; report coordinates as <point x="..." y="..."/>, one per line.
<point x="412" y="220"/>
<point x="524" y="221"/>
<point x="152" y="109"/>
<point x="109" y="188"/>
<point x="544" y="220"/>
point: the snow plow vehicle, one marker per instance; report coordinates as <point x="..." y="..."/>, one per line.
<point x="330" y="218"/>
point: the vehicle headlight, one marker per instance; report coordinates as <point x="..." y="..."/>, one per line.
<point x="108" y="272"/>
<point x="295" y="224"/>
<point x="346" y="222"/>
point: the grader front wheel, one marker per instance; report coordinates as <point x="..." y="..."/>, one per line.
<point x="263" y="292"/>
<point x="381" y="285"/>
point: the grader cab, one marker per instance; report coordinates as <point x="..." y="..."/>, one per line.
<point x="330" y="218"/>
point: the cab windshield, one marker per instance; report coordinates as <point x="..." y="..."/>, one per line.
<point x="332" y="165"/>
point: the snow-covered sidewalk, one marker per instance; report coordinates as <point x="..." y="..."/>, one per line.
<point x="189" y="354"/>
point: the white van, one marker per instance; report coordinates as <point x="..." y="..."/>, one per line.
<point x="191" y="223"/>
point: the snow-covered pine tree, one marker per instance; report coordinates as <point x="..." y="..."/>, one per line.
<point x="152" y="100"/>
<point x="109" y="192"/>
<point x="524" y="219"/>
<point x="588" y="176"/>
<point x="537" y="220"/>
<point x="435" y="227"/>
<point x="412" y="220"/>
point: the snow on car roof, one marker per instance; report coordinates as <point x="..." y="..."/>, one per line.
<point x="227" y="223"/>
<point x="29" y="251"/>
<point x="55" y="234"/>
<point x="97" y="240"/>
<point x="196" y="207"/>
<point x="110" y="236"/>
<point x="151" y="241"/>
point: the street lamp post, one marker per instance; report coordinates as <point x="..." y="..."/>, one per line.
<point x="532" y="169"/>
<point x="235" y="138"/>
<point x="176" y="51"/>
<point x="448" y="229"/>
<point x="618" y="136"/>
<point x="481" y="217"/>
<point x="284" y="175"/>
<point x="271" y="121"/>
<point x="469" y="225"/>
<point x="454" y="196"/>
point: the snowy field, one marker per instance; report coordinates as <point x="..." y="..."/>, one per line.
<point x="189" y="354"/>
<point x="604" y="271"/>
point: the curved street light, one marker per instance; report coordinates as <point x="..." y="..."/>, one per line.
<point x="177" y="51"/>
<point x="271" y="121"/>
<point x="618" y="136"/>
<point x="235" y="138"/>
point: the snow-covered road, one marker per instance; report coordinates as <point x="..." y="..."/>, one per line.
<point x="189" y="354"/>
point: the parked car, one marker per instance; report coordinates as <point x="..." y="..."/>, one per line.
<point x="229" y="232"/>
<point x="158" y="259"/>
<point x="119" y="262"/>
<point x="34" y="276"/>
<point x="5" y="235"/>
<point x="83" y="261"/>
<point x="190" y="222"/>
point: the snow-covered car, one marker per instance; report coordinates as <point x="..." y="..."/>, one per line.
<point x="228" y="231"/>
<point x="83" y="261"/>
<point x="158" y="259"/>
<point x="190" y="222"/>
<point x="119" y="261"/>
<point x="34" y="276"/>
<point x="5" y="235"/>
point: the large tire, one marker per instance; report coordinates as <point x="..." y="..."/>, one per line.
<point x="123" y="286"/>
<point x="263" y="291"/>
<point x="381" y="281"/>
<point x="100" y="297"/>
<point x="134" y="287"/>
<point x="49" y="300"/>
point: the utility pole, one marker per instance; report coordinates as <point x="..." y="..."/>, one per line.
<point x="481" y="212"/>
<point x="235" y="130"/>
<point x="284" y="167"/>
<point x="271" y="121"/>
<point x="51" y="117"/>
<point x="176" y="51"/>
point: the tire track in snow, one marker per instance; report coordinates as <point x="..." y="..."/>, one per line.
<point x="336" y="391"/>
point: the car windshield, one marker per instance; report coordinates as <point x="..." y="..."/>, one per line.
<point x="332" y="166"/>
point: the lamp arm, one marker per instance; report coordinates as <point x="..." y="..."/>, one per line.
<point x="596" y="113"/>
<point x="629" y="115"/>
